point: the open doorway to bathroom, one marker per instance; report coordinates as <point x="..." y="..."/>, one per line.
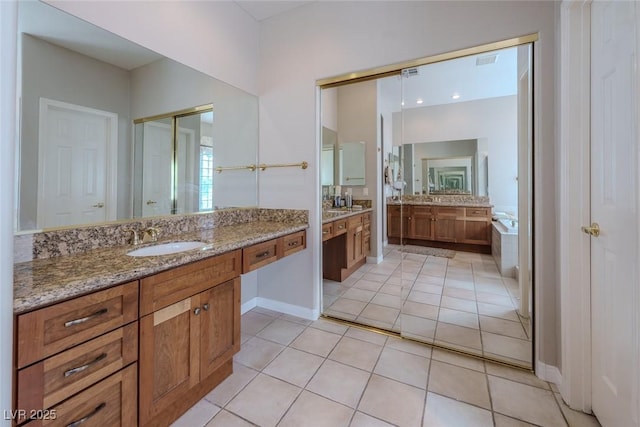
<point x="447" y="147"/>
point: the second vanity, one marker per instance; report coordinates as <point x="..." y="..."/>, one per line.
<point x="346" y="242"/>
<point x="105" y="338"/>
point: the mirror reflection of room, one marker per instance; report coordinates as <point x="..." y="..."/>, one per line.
<point x="453" y="138"/>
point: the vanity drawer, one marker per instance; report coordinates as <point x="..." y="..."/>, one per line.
<point x="327" y="231"/>
<point x="50" y="330"/>
<point x="112" y="402"/>
<point x="354" y="221"/>
<point x="260" y="255"/>
<point x="293" y="243"/>
<point x="366" y="218"/>
<point x="163" y="289"/>
<point x="52" y="380"/>
<point x="483" y="212"/>
<point x="447" y="211"/>
<point x="339" y="227"/>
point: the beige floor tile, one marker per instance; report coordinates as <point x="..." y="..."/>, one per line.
<point x="296" y="319"/>
<point x="364" y="335"/>
<point x="390" y="289"/>
<point x="504" y="421"/>
<point x="576" y="418"/>
<point x="226" y="419"/>
<point x="441" y="411"/>
<point x="380" y="313"/>
<point x="417" y="309"/>
<point x="333" y="288"/>
<point x="500" y="311"/>
<point x="524" y="402"/>
<point x="356" y="353"/>
<point x="387" y="300"/>
<point x="427" y="287"/>
<point x="460" y="318"/>
<point x="368" y="285"/>
<point x="459" y="335"/>
<point x="458" y="283"/>
<point x="257" y="353"/>
<point x="338" y="382"/>
<point x="459" y="304"/>
<point x="499" y="326"/>
<point x="454" y="358"/>
<point x="424" y="298"/>
<point x="450" y="291"/>
<point x="256" y="402"/>
<point x="512" y="348"/>
<point x="364" y="420"/>
<point x="418" y="328"/>
<point x="514" y="374"/>
<point x="494" y="299"/>
<point x="462" y="384"/>
<point x="358" y="294"/>
<point x="409" y="346"/>
<point x="427" y="279"/>
<point x="311" y="410"/>
<point x="198" y="415"/>
<point x="329" y="326"/>
<point x="281" y="331"/>
<point x="253" y="322"/>
<point x="294" y="366"/>
<point x="404" y="367"/>
<point x="385" y="326"/>
<point x="223" y="393"/>
<point x="393" y="402"/>
<point x="373" y="277"/>
<point x="266" y="312"/>
<point x="316" y="341"/>
<point x="491" y="286"/>
<point x="348" y="306"/>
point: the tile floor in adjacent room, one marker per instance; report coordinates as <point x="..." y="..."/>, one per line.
<point x="294" y="372"/>
<point x="461" y="303"/>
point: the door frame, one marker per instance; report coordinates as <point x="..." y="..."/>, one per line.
<point x="111" y="153"/>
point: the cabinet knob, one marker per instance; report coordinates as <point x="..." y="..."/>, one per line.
<point x="196" y="311"/>
<point x="205" y="307"/>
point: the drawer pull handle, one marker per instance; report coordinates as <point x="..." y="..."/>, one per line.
<point x="196" y="311"/>
<point x="325" y="231"/>
<point x="263" y="254"/>
<point x="83" y="367"/>
<point x="85" y="319"/>
<point x="341" y="226"/>
<point x="205" y="307"/>
<point x="293" y="243"/>
<point x="86" y="418"/>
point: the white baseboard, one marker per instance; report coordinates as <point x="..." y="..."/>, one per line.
<point x="374" y="260"/>
<point x="281" y="307"/>
<point x="549" y="373"/>
<point x="248" y="305"/>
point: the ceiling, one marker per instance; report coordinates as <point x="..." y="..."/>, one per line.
<point x="261" y="10"/>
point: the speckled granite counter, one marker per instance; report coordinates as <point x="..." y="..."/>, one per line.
<point x="44" y="281"/>
<point x="333" y="215"/>
<point x="443" y="200"/>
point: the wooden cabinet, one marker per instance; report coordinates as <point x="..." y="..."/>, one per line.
<point x="72" y="357"/>
<point x="451" y="227"/>
<point x="264" y="253"/>
<point x="185" y="340"/>
<point x="346" y="249"/>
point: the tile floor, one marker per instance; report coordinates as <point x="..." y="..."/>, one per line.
<point x="293" y="372"/>
<point x="461" y="303"/>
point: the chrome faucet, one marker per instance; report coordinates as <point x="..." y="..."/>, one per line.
<point x="150" y="235"/>
<point x="135" y="237"/>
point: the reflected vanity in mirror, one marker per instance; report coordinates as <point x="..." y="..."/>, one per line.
<point x="78" y="106"/>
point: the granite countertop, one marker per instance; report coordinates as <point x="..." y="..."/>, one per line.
<point x="45" y="281"/>
<point x="331" y="215"/>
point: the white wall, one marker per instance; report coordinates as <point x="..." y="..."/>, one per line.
<point x="334" y="38"/>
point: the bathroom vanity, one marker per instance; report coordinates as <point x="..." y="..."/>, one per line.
<point x="118" y="340"/>
<point x="346" y="242"/>
<point x="461" y="225"/>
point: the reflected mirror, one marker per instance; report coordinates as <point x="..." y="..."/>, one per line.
<point x="81" y="90"/>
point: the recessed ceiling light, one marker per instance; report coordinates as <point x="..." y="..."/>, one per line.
<point x="419" y="101"/>
<point x="455" y="96"/>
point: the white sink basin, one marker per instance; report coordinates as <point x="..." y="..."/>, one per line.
<point x="167" y="248"/>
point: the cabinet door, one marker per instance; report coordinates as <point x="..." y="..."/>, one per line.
<point x="169" y="356"/>
<point x="354" y="246"/>
<point x="398" y="221"/>
<point x="219" y="325"/>
<point x="421" y="223"/>
<point x="448" y="223"/>
<point x="478" y="232"/>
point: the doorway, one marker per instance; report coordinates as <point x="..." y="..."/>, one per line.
<point x="469" y="302"/>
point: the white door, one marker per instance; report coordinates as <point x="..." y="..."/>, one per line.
<point x="157" y="158"/>
<point x="75" y="165"/>
<point x="614" y="202"/>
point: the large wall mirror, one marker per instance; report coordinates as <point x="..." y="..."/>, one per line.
<point x="454" y="166"/>
<point x="81" y="90"/>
